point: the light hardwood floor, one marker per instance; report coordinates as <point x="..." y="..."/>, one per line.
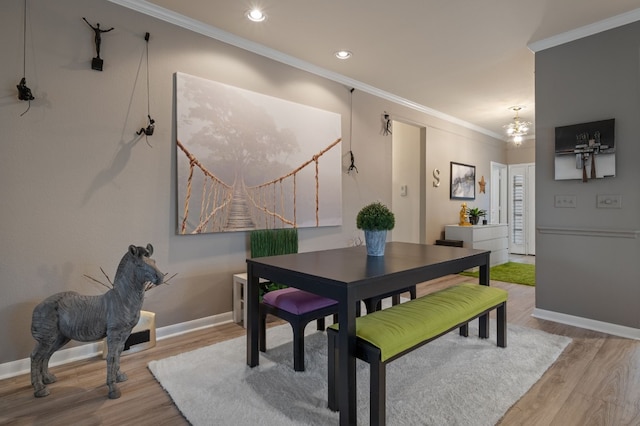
<point x="596" y="381"/>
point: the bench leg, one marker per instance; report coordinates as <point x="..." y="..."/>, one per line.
<point x="320" y="324"/>
<point x="378" y="393"/>
<point x="501" y="322"/>
<point x="332" y="369"/>
<point x="464" y="330"/>
<point x="298" y="346"/>
<point x="483" y="324"/>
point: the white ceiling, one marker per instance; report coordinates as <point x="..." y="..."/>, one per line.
<point x="465" y="60"/>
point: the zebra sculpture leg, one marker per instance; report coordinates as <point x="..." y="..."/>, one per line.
<point x="40" y="375"/>
<point x="48" y="340"/>
<point x="115" y="345"/>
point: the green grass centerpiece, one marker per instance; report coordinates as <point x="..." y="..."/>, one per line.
<point x="375" y="220"/>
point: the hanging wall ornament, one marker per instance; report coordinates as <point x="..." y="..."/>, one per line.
<point x="352" y="166"/>
<point x="386" y="124"/>
<point x="24" y="93"/>
<point x="97" y="62"/>
<point x="151" y="123"/>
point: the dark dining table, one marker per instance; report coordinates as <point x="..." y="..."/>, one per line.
<point x="348" y="275"/>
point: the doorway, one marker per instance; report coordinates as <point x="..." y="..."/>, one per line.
<point x="408" y="182"/>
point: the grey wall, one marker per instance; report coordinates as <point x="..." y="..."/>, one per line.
<point x="587" y="258"/>
<point x="77" y="186"/>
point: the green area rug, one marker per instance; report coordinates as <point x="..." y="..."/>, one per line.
<point x="511" y="272"/>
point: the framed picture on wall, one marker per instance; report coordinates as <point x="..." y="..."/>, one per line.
<point x="463" y="181"/>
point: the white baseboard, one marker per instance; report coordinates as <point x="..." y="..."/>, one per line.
<point x="64" y="356"/>
<point x="589" y="324"/>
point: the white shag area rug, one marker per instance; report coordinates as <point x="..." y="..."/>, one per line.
<point x="450" y="381"/>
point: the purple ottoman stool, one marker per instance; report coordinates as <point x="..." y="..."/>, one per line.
<point x="298" y="308"/>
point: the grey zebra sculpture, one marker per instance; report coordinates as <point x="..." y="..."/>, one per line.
<point x="69" y="315"/>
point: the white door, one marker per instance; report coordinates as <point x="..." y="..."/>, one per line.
<point x="522" y="213"/>
<point x="499" y="188"/>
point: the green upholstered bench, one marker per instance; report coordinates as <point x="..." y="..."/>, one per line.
<point x="386" y="335"/>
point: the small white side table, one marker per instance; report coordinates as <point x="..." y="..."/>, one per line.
<point x="239" y="312"/>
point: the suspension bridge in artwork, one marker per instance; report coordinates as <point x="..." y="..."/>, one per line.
<point x="236" y="206"/>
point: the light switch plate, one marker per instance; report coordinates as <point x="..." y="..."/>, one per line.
<point x="565" y="201"/>
<point x="609" y="201"/>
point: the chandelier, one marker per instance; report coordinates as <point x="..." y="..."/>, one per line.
<point x="518" y="128"/>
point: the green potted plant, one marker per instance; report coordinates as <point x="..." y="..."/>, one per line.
<point x="375" y="220"/>
<point x="474" y="214"/>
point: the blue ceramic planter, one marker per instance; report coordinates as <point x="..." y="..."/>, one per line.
<point x="375" y="241"/>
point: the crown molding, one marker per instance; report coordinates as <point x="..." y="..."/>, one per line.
<point x="190" y="24"/>
<point x="585" y="31"/>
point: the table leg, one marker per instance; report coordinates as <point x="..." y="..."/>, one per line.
<point x="251" y="307"/>
<point x="484" y="272"/>
<point x="347" y="362"/>
<point x="484" y="279"/>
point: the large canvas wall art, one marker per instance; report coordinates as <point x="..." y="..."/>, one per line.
<point x="248" y="161"/>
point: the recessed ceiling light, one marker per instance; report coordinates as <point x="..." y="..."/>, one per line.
<point x="343" y="54"/>
<point x="256" y="15"/>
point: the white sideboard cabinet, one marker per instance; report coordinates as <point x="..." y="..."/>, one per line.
<point x="494" y="237"/>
